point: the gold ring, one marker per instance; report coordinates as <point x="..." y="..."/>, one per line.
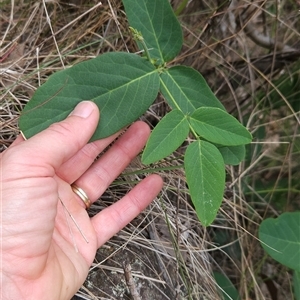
<point x="82" y="195"/>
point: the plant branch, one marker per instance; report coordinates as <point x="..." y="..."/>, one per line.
<point x="265" y="41"/>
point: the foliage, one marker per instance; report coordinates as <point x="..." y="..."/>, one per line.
<point x="226" y="287"/>
<point x="124" y="85"/>
<point x="280" y="238"/>
<point x="115" y="81"/>
<point x="255" y="84"/>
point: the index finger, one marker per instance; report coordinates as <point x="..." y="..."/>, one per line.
<point x="62" y="140"/>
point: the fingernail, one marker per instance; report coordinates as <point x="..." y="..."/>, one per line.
<point x="83" y="109"/>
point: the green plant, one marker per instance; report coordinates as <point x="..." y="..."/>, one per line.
<point x="124" y="85"/>
<point x="280" y="238"/>
<point x="227" y="289"/>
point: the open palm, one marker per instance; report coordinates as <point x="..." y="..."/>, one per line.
<point x="48" y="239"/>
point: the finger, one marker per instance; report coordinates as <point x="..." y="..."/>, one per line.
<point x="100" y="175"/>
<point x="112" y="219"/>
<point x="73" y="168"/>
<point x="18" y="140"/>
<point x="62" y="140"/>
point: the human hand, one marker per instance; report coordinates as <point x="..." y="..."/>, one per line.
<point x="44" y="255"/>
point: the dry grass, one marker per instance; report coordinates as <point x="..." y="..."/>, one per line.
<point x="241" y="49"/>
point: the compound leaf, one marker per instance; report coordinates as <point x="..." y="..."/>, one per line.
<point x="205" y="174"/>
<point x="184" y="88"/>
<point x="166" y="137"/>
<point x="123" y="85"/>
<point x="281" y="239"/>
<point x="158" y="25"/>
<point x="217" y="126"/>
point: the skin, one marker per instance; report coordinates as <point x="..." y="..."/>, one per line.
<point x="43" y="255"/>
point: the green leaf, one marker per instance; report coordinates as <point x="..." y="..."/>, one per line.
<point x="296" y="284"/>
<point x="217" y="126"/>
<point x="123" y="85"/>
<point x="233" y="155"/>
<point x="166" y="137"/>
<point x="228" y="290"/>
<point x="158" y="25"/>
<point x="280" y="238"/>
<point x="184" y="88"/>
<point x="205" y="174"/>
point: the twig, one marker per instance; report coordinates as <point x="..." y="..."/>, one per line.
<point x="130" y="282"/>
<point x="8" y="52"/>
<point x="53" y="35"/>
<point x="74" y="221"/>
<point x="69" y="226"/>
<point x="265" y="41"/>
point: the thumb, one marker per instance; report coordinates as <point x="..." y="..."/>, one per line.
<point x="62" y="140"/>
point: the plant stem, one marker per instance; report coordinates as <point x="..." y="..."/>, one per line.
<point x="139" y="38"/>
<point x="146" y="49"/>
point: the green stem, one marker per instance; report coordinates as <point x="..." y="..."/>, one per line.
<point x="139" y="38"/>
<point x="194" y="132"/>
<point x="146" y="49"/>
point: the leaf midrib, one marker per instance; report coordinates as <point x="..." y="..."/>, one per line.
<point x="219" y="129"/>
<point x="181" y="90"/>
